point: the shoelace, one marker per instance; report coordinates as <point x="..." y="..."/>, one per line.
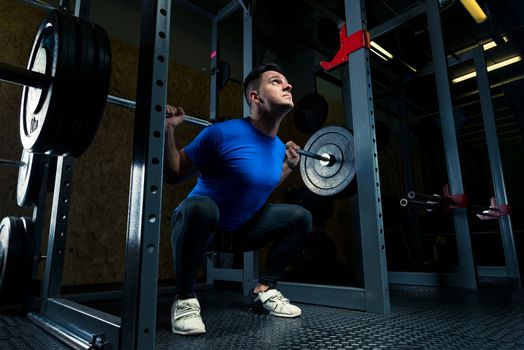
<point x="280" y="297"/>
<point x="185" y="310"/>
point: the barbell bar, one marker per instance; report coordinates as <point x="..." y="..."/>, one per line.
<point x="132" y="105"/>
<point x="11" y="163"/>
<point x="324" y="157"/>
<point x="192" y="120"/>
<point x="38" y="80"/>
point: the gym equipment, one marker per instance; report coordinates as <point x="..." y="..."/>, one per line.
<point x="132" y="105"/>
<point x="16" y="257"/>
<point x="327" y="178"/>
<point x="29" y="177"/>
<point x="446" y="203"/>
<point x="66" y="86"/>
<point x="65" y="90"/>
<point x="31" y="166"/>
<point x="60" y="115"/>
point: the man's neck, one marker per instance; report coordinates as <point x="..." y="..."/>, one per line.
<point x="267" y="124"/>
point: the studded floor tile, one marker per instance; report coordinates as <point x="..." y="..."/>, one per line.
<point x="421" y="318"/>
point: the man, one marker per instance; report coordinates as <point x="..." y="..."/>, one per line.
<point x="240" y="161"/>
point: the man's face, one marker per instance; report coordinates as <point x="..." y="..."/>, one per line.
<point x="275" y="90"/>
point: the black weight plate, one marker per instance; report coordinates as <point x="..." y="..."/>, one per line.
<point x="96" y="87"/>
<point x="12" y="238"/>
<point x="224" y="72"/>
<point x="74" y="110"/>
<point x="42" y="113"/>
<point x="29" y="178"/>
<point x="323" y="178"/>
<point x="28" y="260"/>
<point x="83" y="86"/>
<point x="311" y="113"/>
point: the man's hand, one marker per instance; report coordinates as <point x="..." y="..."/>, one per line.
<point x="174" y="116"/>
<point x="292" y="155"/>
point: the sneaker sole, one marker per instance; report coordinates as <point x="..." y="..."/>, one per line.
<point x="190" y="332"/>
<point x="284" y="315"/>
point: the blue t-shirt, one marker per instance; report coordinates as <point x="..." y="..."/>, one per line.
<point x="239" y="168"/>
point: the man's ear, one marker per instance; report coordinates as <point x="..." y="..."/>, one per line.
<point x="253" y="96"/>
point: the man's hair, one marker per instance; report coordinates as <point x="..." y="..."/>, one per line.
<point x="254" y="77"/>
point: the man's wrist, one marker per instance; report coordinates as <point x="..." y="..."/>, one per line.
<point x="291" y="165"/>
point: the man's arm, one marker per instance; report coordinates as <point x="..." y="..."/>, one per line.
<point x="177" y="166"/>
<point x="291" y="162"/>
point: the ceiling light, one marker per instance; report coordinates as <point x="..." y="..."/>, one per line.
<point x="380" y="49"/>
<point x="474" y="10"/>
<point x="413" y="69"/>
<point x="489" y="68"/>
<point x="491" y="44"/>
<point x="379" y="54"/>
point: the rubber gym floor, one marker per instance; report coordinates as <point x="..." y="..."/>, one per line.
<point x="491" y="317"/>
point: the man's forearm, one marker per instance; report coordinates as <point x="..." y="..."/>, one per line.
<point x="171" y="156"/>
<point x="286" y="170"/>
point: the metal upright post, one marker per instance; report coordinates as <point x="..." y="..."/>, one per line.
<point x="407" y="165"/>
<point x="213" y="82"/>
<point x="52" y="285"/>
<point x="465" y="252"/>
<point x="490" y="129"/>
<point x="370" y="208"/>
<point x="250" y="273"/>
<point x="83" y="9"/>
<point x="355" y="221"/>
<point x="138" y="323"/>
<point x="38" y="217"/>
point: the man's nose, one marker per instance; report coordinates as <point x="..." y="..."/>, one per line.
<point x="288" y="87"/>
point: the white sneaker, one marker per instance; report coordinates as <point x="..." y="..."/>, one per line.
<point x="273" y="301"/>
<point x="185" y="317"/>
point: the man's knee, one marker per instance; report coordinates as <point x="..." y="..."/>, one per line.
<point x="303" y="219"/>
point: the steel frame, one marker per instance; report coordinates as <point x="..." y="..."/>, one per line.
<point x="80" y="326"/>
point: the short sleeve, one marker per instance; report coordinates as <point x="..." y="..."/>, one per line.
<point x="205" y="147"/>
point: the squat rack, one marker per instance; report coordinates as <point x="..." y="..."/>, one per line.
<point x="83" y="327"/>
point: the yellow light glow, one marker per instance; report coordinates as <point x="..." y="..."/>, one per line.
<point x="379" y="54"/>
<point x="410" y="67"/>
<point x="474" y="10"/>
<point x="381" y="50"/>
<point x="491" y="44"/>
<point x="489" y="69"/>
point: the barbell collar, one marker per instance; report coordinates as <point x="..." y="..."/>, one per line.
<point x="313" y="155"/>
<point x="22" y="76"/>
<point x="11" y="163"/>
<point x="132" y="105"/>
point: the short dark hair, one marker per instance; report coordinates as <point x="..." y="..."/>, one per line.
<point x="255" y="75"/>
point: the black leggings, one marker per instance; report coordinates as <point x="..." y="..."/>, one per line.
<point x="194" y="231"/>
